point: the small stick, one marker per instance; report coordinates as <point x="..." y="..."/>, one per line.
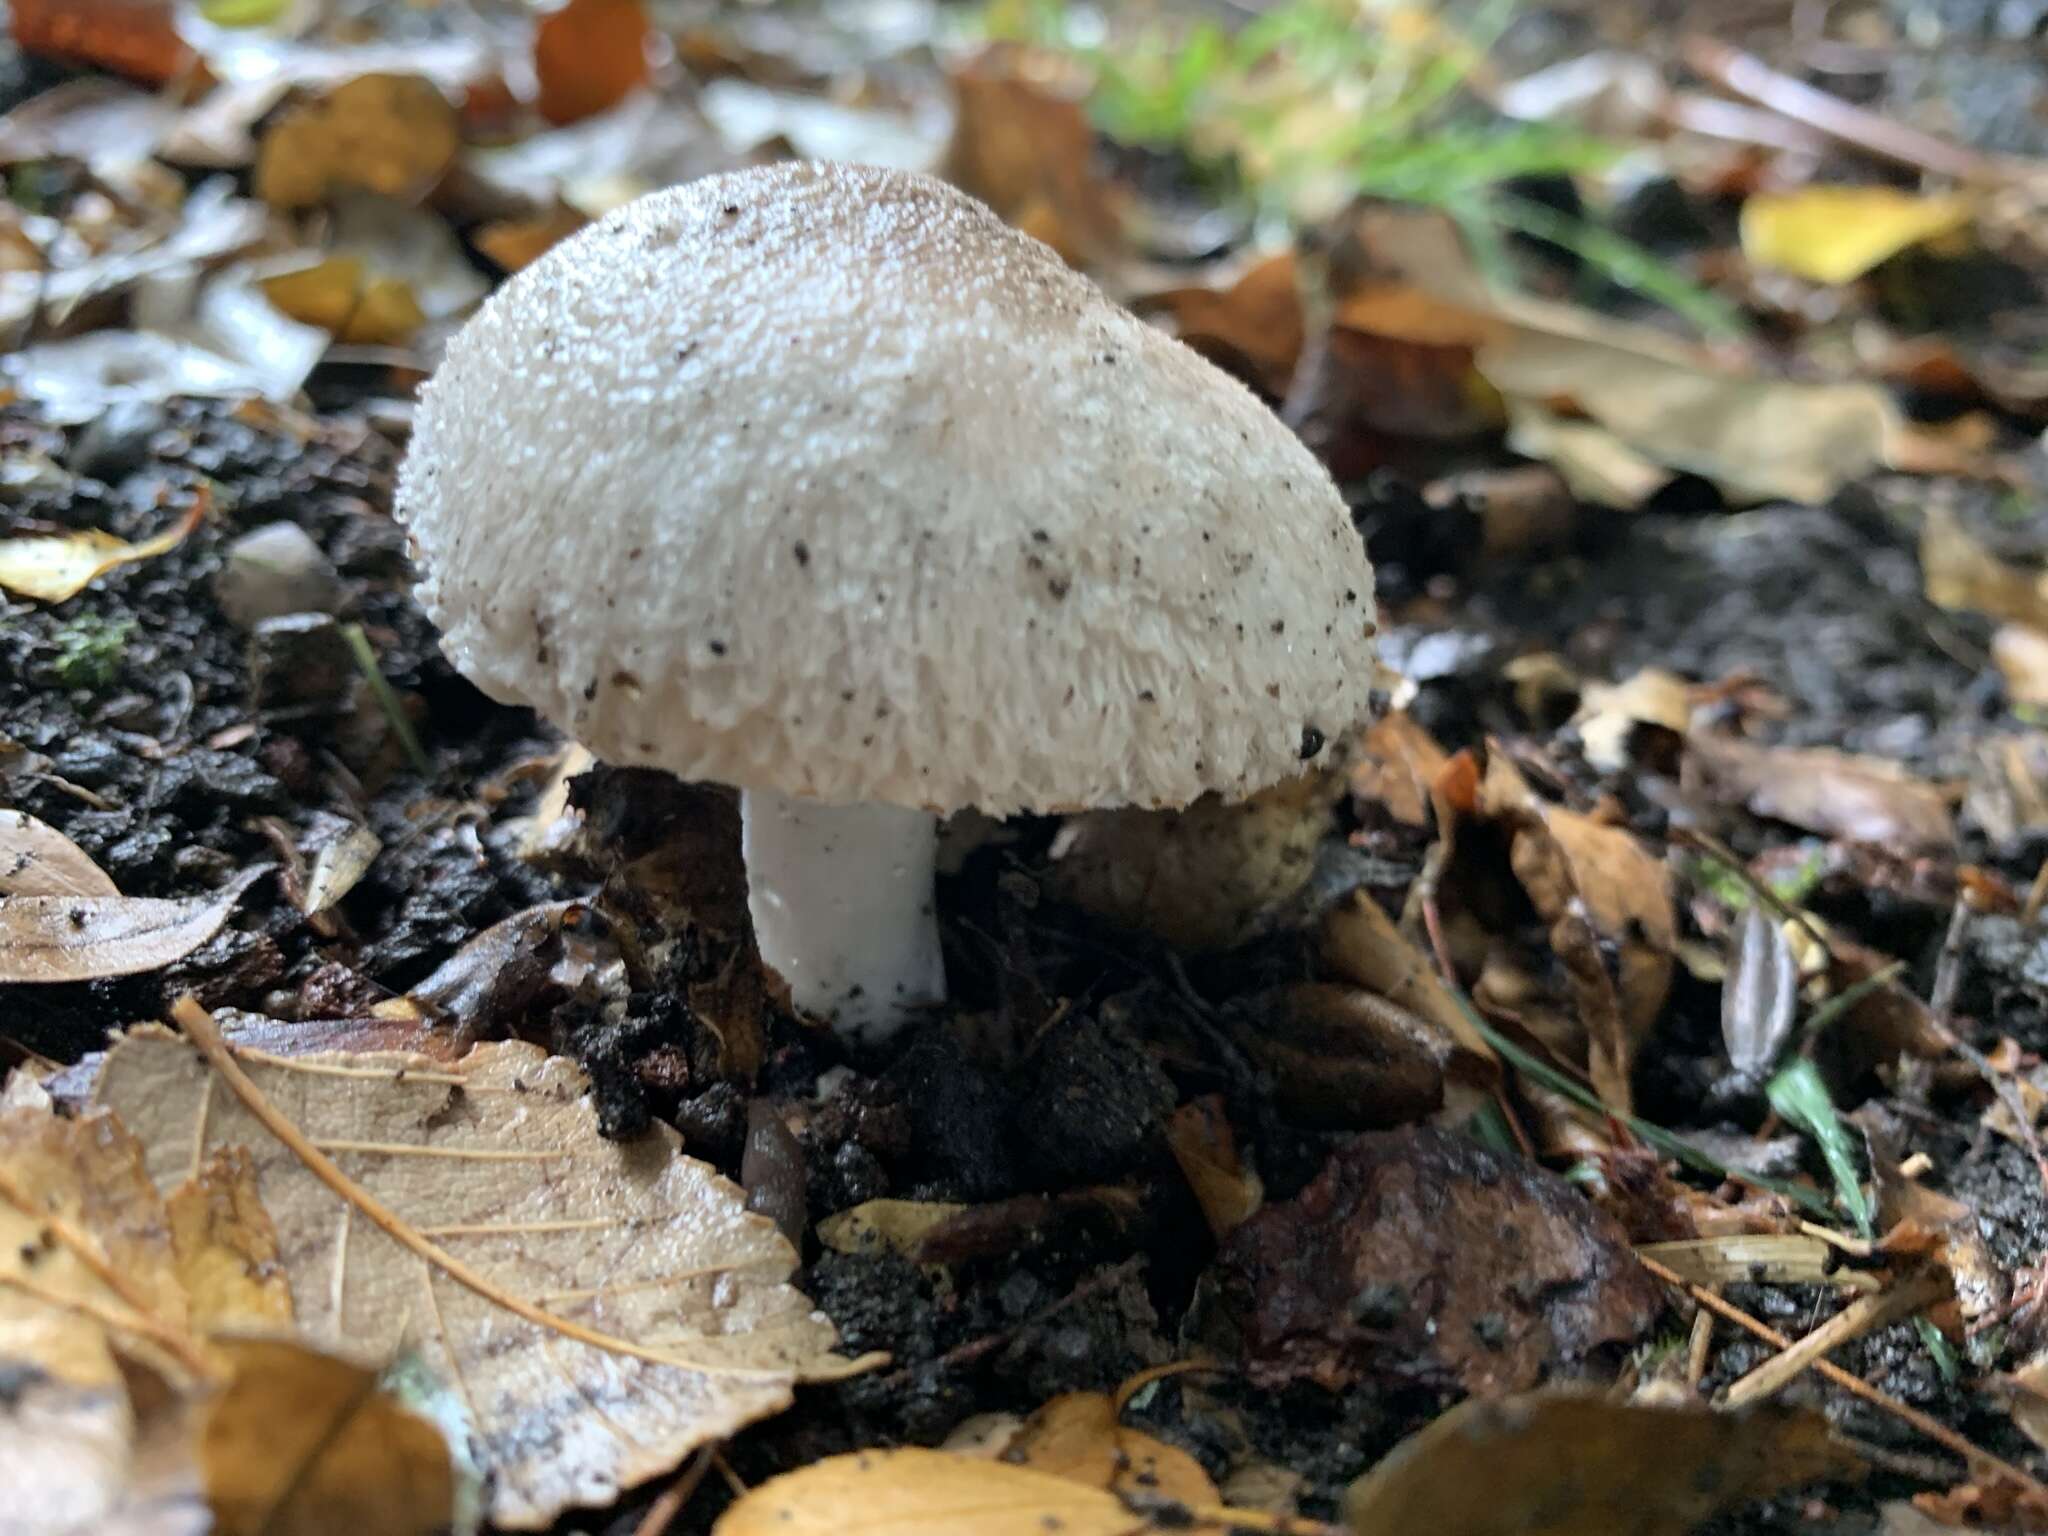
<point x="1698" y="1347"/>
<point x="733" y="1480"/>
<point x="1747" y="75"/>
<point x="1932" y="1428"/>
<point x="1864" y="1315"/>
<point x="662" y="1512"/>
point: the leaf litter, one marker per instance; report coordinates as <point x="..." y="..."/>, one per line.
<point x="1491" y="919"/>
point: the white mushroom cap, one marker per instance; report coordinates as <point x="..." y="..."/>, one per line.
<point x="821" y="479"/>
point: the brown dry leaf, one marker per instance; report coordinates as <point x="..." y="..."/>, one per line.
<point x="86" y="1259"/>
<point x="1421" y="1256"/>
<point x="1199" y="1136"/>
<point x="101" y="1460"/>
<point x="2008" y="788"/>
<point x="1958" y="571"/>
<point x="917" y="1493"/>
<point x="1078" y="1437"/>
<point x="1837" y="794"/>
<point x="894" y="1226"/>
<point x="1499" y="1468"/>
<point x="1393" y="766"/>
<point x="390" y="134"/>
<point x="53" y="567"/>
<point x="38" y="860"/>
<point x="1592" y="881"/>
<point x="1205" y="877"/>
<point x="589" y="56"/>
<point x="1342" y="1058"/>
<point x="1361" y="944"/>
<point x="85" y="938"/>
<point x="137" y="38"/>
<point x="1029" y="155"/>
<point x="497" y="1158"/>
<point x="1253" y="328"/>
<point x="300" y="1443"/>
<point x="1405" y="273"/>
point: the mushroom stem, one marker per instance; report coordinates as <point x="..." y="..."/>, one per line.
<point x="841" y="897"/>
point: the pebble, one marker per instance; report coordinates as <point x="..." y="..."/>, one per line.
<point x="273" y="571"/>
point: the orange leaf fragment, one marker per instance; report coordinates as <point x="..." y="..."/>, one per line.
<point x="589" y="56"/>
<point x="136" y="38"/>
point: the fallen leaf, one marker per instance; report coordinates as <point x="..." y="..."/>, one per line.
<point x="137" y="38"/>
<point x="751" y="117"/>
<point x="1341" y="1058"/>
<point x="1080" y="1437"/>
<point x="1253" y="328"/>
<point x="1419" y="1254"/>
<point x="879" y="1226"/>
<point x="1744" y="1258"/>
<point x="38" y="860"/>
<point x="1205" y="877"/>
<point x="591" y="167"/>
<point x="1609" y="716"/>
<point x="1759" y="996"/>
<point x="84" y="938"/>
<point x="2008" y="789"/>
<point x="343" y="299"/>
<point x="1834" y="234"/>
<point x="337" y="866"/>
<point x="1959" y="571"/>
<point x="911" y="1492"/>
<point x="1393" y="765"/>
<point x="1561" y="1463"/>
<point x="390" y="134"/>
<point x="1405" y="274"/>
<point x="228" y="342"/>
<point x="103" y="124"/>
<point x="103" y="1460"/>
<point x="2020" y="652"/>
<point x="1590" y="880"/>
<point x="86" y="1260"/>
<point x="2025" y="1391"/>
<point x="1199" y="1136"/>
<point x="1361" y="945"/>
<point x="497" y="1158"/>
<point x="301" y="1443"/>
<point x="589" y="55"/>
<point x="1029" y="155"/>
<point x="224" y="1248"/>
<point x="1837" y="794"/>
<point x="1596" y="463"/>
<point x="55" y="567"/>
<point x="517" y="243"/>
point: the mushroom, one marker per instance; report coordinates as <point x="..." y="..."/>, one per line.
<point x="822" y="482"/>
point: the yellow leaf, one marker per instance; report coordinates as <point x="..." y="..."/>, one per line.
<point x="340" y="296"/>
<point x="391" y="134"/>
<point x="1836" y="234"/>
<point x="303" y="1444"/>
<point x="53" y="567"/>
<point x="1558" y="1463"/>
<point x="1078" y="1437"/>
<point x="225" y="1248"/>
<point x="922" y="1493"/>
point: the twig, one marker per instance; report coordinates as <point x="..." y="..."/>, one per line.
<point x="203" y="1032"/>
<point x="1932" y="1428"/>
<point x="1866" y="1314"/>
<point x="1747" y="75"/>
<point x="1698" y="1346"/>
<point x="974" y="1349"/>
<point x="663" y="1511"/>
<point x="733" y="1480"/>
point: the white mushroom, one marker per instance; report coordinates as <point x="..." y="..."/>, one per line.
<point x="823" y="482"/>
